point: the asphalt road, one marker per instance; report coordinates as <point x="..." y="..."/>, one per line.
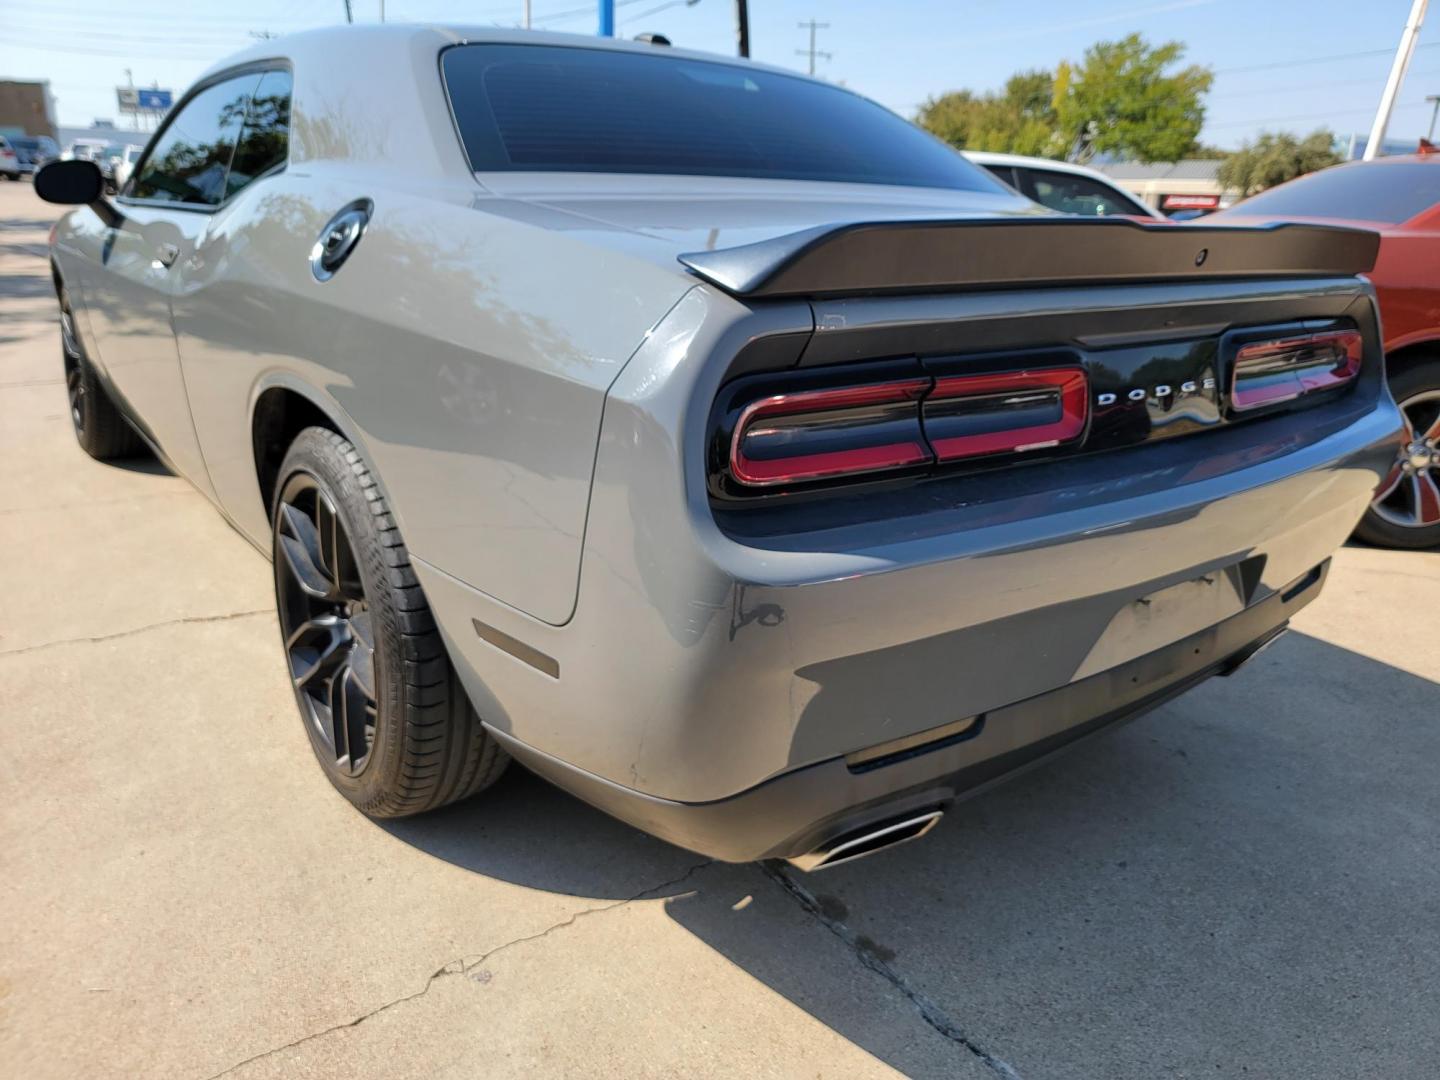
<point x="1244" y="883"/>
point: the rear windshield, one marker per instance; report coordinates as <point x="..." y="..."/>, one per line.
<point x="1390" y="193"/>
<point x="557" y="109"/>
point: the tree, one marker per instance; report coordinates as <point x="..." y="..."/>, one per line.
<point x="1019" y="120"/>
<point x="1277" y="156"/>
<point x="1120" y="100"/>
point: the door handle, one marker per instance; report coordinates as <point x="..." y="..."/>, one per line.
<point x="166" y="254"/>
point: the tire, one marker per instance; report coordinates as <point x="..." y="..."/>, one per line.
<point x="1416" y="388"/>
<point x="386" y="715"/>
<point x="100" y="428"/>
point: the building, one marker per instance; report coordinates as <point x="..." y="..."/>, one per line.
<point x="26" y="108"/>
<point x="1193" y="184"/>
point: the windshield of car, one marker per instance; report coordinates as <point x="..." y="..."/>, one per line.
<point x="1384" y="192"/>
<point x="557" y="109"/>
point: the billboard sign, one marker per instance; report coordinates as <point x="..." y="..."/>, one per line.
<point x="158" y="100"/>
<point x="128" y="97"/>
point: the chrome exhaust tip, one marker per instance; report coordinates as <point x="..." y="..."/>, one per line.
<point x="866" y="841"/>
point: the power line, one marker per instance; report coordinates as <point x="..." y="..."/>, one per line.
<point x="1308" y="116"/>
<point x="813" y="52"/>
<point x="1326" y="85"/>
<point x="1317" y="60"/>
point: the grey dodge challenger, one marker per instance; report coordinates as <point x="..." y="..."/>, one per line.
<point x="709" y="439"/>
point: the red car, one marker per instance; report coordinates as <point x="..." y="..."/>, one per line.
<point x="1398" y="197"/>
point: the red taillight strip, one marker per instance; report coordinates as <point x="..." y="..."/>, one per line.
<point x="768" y="473"/>
<point x="1305" y="379"/>
<point x="1071" y="384"/>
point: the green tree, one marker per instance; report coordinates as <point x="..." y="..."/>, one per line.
<point x="1018" y="120"/>
<point x="1277" y="156"/>
<point x="1124" y="99"/>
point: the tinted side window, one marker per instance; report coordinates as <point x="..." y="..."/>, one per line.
<point x="1004" y="173"/>
<point x="188" y="162"/>
<point x="572" y="109"/>
<point x="265" y="140"/>
<point x="1392" y="192"/>
<point x="1072" y="194"/>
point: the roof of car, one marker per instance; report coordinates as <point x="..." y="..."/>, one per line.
<point x="446" y="34"/>
<point x="987" y="157"/>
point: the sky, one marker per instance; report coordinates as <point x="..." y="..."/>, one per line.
<point x="1279" y="64"/>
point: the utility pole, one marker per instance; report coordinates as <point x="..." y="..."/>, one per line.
<point x="349" y="15"/>
<point x="813" y="52"/>
<point x="1433" y="114"/>
<point x="607" y="18"/>
<point x="382" y="10"/>
<point x="742" y="26"/>
<point x="1397" y="76"/>
<point x="527" y="14"/>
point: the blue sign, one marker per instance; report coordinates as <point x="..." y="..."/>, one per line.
<point x="154" y="99"/>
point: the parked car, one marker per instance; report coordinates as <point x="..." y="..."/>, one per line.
<point x="9" y="160"/>
<point x="769" y="481"/>
<point x="125" y="165"/>
<point x="85" y="150"/>
<point x="1071" y="189"/>
<point x="1400" y="198"/>
<point x="109" y="160"/>
<point x="34" y="151"/>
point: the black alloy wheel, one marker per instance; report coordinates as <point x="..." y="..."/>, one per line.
<point x="100" y="428"/>
<point x="74" y="376"/>
<point x="326" y="622"/>
<point x="383" y="707"/>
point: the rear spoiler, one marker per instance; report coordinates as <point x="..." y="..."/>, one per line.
<point x="958" y="253"/>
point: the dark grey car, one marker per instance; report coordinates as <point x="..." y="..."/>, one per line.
<point x="705" y="437"/>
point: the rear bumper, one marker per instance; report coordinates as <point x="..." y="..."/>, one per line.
<point x="794" y="813"/>
<point x="710" y="659"/>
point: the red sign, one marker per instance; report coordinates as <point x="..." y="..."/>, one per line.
<point x="1191" y="202"/>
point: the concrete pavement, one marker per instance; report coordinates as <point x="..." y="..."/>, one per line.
<point x="1243" y="883"/>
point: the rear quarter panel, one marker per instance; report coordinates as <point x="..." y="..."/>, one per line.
<point x="1407" y="281"/>
<point x="467" y="354"/>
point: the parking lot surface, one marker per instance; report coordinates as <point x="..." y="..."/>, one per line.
<point x="1243" y="883"/>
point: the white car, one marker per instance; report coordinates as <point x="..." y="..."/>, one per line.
<point x="1071" y="189"/>
<point x="126" y="165"/>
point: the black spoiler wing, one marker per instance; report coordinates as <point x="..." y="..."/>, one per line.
<point x="911" y="256"/>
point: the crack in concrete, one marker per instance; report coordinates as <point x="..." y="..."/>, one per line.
<point x="462" y="965"/>
<point x="865" y="952"/>
<point x="137" y="630"/>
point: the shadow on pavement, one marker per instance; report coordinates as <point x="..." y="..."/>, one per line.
<point x="1247" y="875"/>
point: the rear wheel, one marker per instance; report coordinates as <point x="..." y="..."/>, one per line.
<point x="383" y="708"/>
<point x="100" y="429"/>
<point x="1406" y="509"/>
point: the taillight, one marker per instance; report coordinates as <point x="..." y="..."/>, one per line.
<point x="819" y="434"/>
<point x="1008" y="412"/>
<point x="1270" y="372"/>
<point x="895" y="423"/>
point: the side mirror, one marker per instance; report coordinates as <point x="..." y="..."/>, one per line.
<point x="77" y="183"/>
<point x="70" y="183"/>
